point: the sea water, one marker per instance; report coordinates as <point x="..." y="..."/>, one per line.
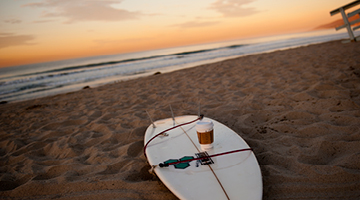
<point x="43" y="79"/>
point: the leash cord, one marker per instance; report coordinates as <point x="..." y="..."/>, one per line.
<point x="146" y="145"/>
<point x="205" y="157"/>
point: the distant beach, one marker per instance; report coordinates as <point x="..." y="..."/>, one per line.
<point x="45" y="79"/>
<point x="299" y="109"/>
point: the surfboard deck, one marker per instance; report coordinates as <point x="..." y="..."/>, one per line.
<point x="231" y="176"/>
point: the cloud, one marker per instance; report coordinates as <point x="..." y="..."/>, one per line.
<point x="12" y="21"/>
<point x="195" y="24"/>
<point x="233" y="8"/>
<point x="42" y="21"/>
<point x="10" y="39"/>
<point x="84" y="10"/>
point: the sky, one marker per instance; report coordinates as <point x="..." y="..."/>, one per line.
<point x="33" y="31"/>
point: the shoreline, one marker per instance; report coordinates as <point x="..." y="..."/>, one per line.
<point x="299" y="109"/>
<point x="41" y="88"/>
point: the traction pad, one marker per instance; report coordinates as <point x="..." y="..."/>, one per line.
<point x="205" y="160"/>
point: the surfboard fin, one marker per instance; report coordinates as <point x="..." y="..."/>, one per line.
<point x="199" y="110"/>
<point x="201" y="116"/>
<point x="152" y="122"/>
<point x="172" y="115"/>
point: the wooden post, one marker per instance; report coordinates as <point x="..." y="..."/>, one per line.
<point x="345" y="18"/>
<point x="348" y="27"/>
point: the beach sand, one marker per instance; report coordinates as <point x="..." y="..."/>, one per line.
<point x="299" y="109"/>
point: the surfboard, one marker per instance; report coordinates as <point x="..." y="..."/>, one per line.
<point x="227" y="171"/>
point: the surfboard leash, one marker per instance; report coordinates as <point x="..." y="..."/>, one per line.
<point x="169" y="129"/>
<point x="206" y="157"/>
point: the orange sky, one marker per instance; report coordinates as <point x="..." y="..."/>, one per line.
<point x="34" y="31"/>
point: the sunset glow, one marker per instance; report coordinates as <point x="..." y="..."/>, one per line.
<point x="34" y="31"/>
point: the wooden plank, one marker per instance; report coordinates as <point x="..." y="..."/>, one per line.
<point x="355" y="21"/>
<point x="352" y="4"/>
<point x="347" y="24"/>
<point x="356" y="27"/>
<point x="350" y="23"/>
<point x="340" y="27"/>
<point x="354" y="13"/>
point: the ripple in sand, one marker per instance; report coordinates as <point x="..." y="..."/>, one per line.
<point x="114" y="168"/>
<point x="75" y="122"/>
<point x="350" y="162"/>
<point x="328" y="152"/>
<point x="341" y="119"/>
<point x="53" y="172"/>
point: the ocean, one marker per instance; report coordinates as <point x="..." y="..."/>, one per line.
<point x="32" y="81"/>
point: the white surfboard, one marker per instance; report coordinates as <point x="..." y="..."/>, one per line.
<point x="231" y="176"/>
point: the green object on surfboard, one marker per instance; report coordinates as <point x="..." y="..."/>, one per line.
<point x="182" y="165"/>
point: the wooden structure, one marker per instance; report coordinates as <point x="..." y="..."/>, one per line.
<point x="345" y="17"/>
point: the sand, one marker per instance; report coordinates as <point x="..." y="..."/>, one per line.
<point x="299" y="109"/>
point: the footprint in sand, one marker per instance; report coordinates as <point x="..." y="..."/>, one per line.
<point x="8" y="185"/>
<point x="53" y="172"/>
<point x="135" y="148"/>
<point x="140" y="131"/>
<point x="115" y="168"/>
<point x="143" y="175"/>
